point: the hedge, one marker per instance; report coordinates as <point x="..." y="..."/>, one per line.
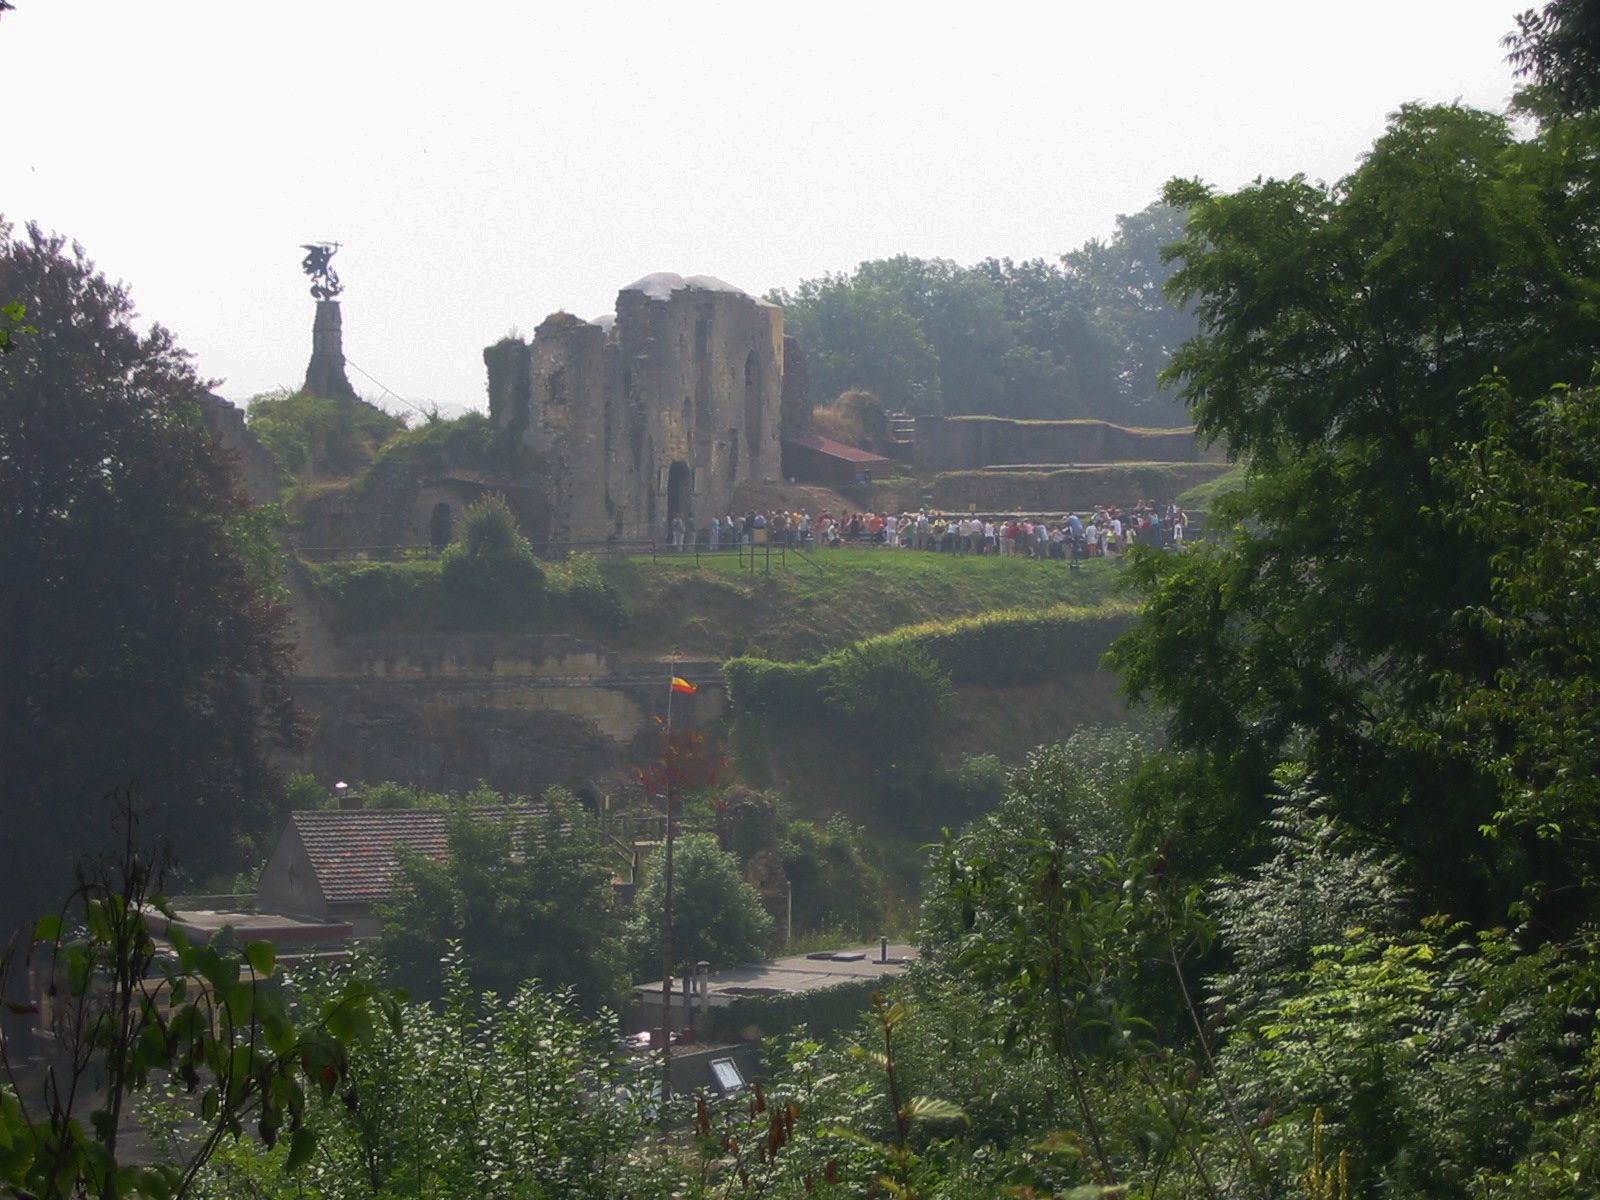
<point x="1000" y="648"/>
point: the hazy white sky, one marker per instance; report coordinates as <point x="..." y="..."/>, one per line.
<point x="485" y="164"/>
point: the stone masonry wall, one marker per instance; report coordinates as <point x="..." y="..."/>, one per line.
<point x="520" y="712"/>
<point x="970" y="443"/>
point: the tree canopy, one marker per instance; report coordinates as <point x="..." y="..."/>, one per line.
<point x="716" y="916"/>
<point x="1083" y="337"/>
<point x="527" y="899"/>
<point x="1344" y="331"/>
<point x="140" y="636"/>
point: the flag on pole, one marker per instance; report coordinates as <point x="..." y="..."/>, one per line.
<point x="683" y="687"/>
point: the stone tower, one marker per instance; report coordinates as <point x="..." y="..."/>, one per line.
<point x="662" y="409"/>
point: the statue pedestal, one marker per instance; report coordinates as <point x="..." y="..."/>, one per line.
<point x="325" y="375"/>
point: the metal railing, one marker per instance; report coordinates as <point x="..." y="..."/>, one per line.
<point x="755" y="556"/>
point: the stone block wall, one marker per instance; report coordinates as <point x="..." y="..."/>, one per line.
<point x="971" y="443"/>
<point x="520" y="712"/>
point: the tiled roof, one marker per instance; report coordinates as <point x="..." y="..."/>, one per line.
<point x="353" y="851"/>
<point x="835" y="449"/>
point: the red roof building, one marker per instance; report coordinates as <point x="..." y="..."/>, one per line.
<point x="825" y="461"/>
<point x="337" y="865"/>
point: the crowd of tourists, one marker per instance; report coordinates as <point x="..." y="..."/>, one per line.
<point x="1108" y="530"/>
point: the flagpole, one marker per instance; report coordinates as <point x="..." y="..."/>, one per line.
<point x="666" y="906"/>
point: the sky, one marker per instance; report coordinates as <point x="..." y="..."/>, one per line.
<point x="485" y="164"/>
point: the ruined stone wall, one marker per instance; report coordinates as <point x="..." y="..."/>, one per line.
<point x="665" y="408"/>
<point x="1072" y="490"/>
<point x="258" y="470"/>
<point x="970" y="443"/>
<point x="520" y="712"/>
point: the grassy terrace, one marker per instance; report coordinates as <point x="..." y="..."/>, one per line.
<point x="716" y="610"/>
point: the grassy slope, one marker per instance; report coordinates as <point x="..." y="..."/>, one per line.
<point x="800" y="611"/>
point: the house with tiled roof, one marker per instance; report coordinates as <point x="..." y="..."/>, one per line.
<point x="338" y="865"/>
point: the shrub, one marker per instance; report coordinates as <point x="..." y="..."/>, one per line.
<point x="887" y="680"/>
<point x="579" y="588"/>
<point x="998" y="648"/>
<point x="492" y="567"/>
<point x="313" y="437"/>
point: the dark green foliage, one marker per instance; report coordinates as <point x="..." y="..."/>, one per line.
<point x="516" y="1095"/>
<point x="576" y="588"/>
<point x="759" y="685"/>
<point x="527" y="899"/>
<point x="823" y="1012"/>
<point x="999" y="648"/>
<point x="413" y="596"/>
<point x="491" y="570"/>
<point x="1321" y="882"/>
<point x="896" y="685"/>
<point x="442" y="444"/>
<point x="318" y="439"/>
<point x="1086" y="338"/>
<point x="716" y="916"/>
<point x="1557" y="48"/>
<point x="835" y="886"/>
<point x="140" y="636"/>
<point x="1344" y="331"/>
<point x="1530" y="491"/>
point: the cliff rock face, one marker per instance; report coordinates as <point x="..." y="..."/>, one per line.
<point x="661" y="410"/>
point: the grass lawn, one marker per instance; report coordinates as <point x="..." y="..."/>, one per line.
<point x="800" y="611"/>
<point x="714" y="609"/>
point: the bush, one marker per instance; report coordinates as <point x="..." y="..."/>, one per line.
<point x="1000" y="649"/>
<point x="492" y="567"/>
<point x="716" y="915"/>
<point x="759" y="685"/>
<point x="887" y="680"/>
<point x="317" y="438"/>
<point x="578" y="587"/>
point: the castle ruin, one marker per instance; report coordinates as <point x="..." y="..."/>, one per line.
<point x="660" y="410"/>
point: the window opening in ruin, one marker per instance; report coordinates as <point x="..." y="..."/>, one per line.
<point x="558" y="386"/>
<point x="752" y="403"/>
<point x="441" y="527"/>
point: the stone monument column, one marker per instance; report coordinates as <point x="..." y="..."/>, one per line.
<point x="325" y="375"/>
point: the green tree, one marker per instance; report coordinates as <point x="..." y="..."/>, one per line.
<point x="1530" y="491"/>
<point x="1557" y="48"/>
<point x="314" y="438"/>
<point x="716" y="916"/>
<point x="893" y="682"/>
<point x="857" y="338"/>
<point x="1122" y="282"/>
<point x="141" y="638"/>
<point x="1343" y="331"/>
<point x="526" y="899"/>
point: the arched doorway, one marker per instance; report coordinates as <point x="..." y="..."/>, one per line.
<point x="680" y="502"/>
<point x="441" y="526"/>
